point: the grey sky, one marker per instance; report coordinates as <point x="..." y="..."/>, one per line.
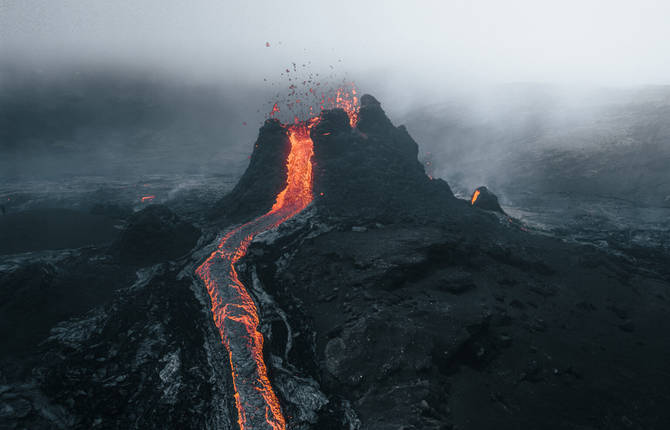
<point x="605" y="42"/>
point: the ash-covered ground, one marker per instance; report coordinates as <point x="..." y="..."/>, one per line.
<point x="388" y="303"/>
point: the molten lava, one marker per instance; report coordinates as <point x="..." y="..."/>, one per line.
<point x="475" y="196"/>
<point x="234" y="311"/>
<point x="148" y="198"/>
<point x="298" y="191"/>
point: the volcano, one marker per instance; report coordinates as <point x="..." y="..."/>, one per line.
<point x="366" y="169"/>
<point x="363" y="172"/>
<point x="338" y="286"/>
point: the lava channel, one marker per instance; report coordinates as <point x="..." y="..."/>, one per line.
<point x="475" y="196"/>
<point x="233" y="308"/>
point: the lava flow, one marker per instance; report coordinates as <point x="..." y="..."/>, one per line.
<point x="474" y="197"/>
<point x="234" y="311"/>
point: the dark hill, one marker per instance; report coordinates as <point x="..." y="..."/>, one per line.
<point x="372" y="171"/>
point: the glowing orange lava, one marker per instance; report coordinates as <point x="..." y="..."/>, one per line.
<point x="475" y="196"/>
<point x="234" y="310"/>
<point x="298" y="191"/>
<point x="148" y="198"/>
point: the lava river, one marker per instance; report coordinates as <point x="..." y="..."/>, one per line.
<point x="233" y="308"/>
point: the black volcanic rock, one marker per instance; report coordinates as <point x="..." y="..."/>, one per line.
<point x="264" y="178"/>
<point x="372" y="117"/>
<point x="487" y="200"/>
<point x="372" y="172"/>
<point x="469" y="323"/>
<point x="148" y="359"/>
<point x="154" y="234"/>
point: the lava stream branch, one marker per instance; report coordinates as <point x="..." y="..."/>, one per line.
<point x="234" y="311"/>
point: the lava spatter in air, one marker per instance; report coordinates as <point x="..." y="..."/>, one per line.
<point x="234" y="310"/>
<point x="303" y="93"/>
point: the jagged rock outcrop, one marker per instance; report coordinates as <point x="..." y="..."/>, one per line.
<point x="485" y="199"/>
<point x="372" y="171"/>
<point x="264" y="178"/>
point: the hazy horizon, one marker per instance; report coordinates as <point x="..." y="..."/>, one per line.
<point x="184" y="87"/>
<point x="415" y="48"/>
